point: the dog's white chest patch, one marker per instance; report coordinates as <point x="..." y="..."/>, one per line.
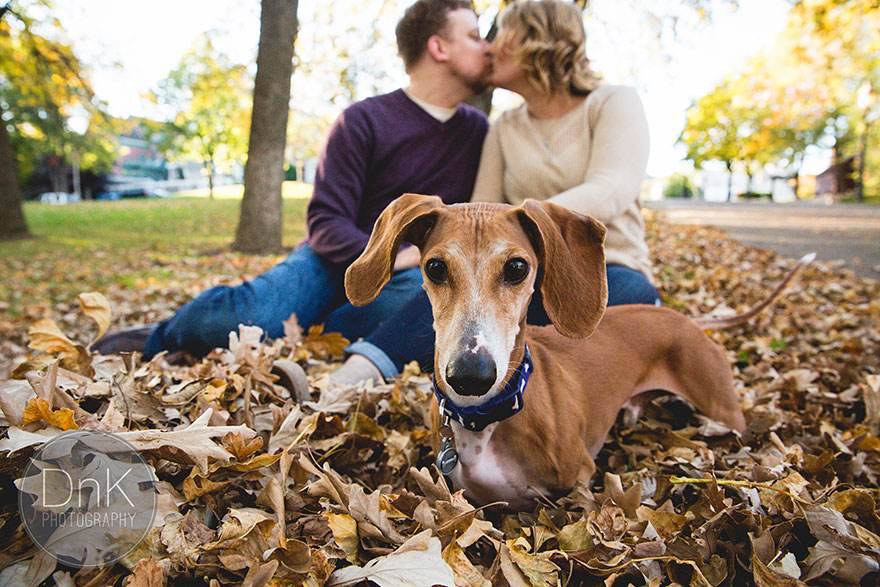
<point x="485" y="473"/>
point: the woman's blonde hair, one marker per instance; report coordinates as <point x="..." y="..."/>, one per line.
<point x="551" y="45"/>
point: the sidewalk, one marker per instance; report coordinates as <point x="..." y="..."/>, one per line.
<point x="839" y="232"/>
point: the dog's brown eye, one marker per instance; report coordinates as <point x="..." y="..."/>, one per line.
<point x="515" y="270"/>
<point x="436" y="270"/>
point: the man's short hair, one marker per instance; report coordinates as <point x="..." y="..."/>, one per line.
<point x="420" y="21"/>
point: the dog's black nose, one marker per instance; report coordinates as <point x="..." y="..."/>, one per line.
<point x="471" y="373"/>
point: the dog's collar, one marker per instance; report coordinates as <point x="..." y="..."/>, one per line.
<point x="502" y="406"/>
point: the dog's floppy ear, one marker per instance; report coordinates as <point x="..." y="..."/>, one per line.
<point x="408" y="218"/>
<point x="569" y="246"/>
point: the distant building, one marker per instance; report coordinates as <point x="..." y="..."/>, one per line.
<point x="714" y="181"/>
<point x="837" y="179"/>
<point x="139" y="164"/>
<point x="137" y="156"/>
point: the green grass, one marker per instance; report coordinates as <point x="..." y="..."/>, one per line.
<point x="171" y="247"/>
<point x="173" y="224"/>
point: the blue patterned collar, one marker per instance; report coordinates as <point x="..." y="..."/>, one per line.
<point x="502" y="406"/>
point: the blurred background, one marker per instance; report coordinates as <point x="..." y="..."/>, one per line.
<point x="746" y="99"/>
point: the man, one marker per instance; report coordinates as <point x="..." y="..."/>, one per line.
<point x="419" y="139"/>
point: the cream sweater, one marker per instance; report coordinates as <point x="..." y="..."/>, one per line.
<point x="591" y="160"/>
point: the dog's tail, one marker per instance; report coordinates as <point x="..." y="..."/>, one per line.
<point x="719" y="323"/>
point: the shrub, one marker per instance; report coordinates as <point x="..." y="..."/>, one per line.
<point x="678" y="186"/>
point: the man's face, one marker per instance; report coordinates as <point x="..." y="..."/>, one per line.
<point x="468" y="51"/>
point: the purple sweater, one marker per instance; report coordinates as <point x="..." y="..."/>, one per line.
<point x="378" y="149"/>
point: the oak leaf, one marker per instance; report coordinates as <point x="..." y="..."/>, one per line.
<point x="324" y="345"/>
<point x="47" y="337"/>
<point x="416" y="563"/>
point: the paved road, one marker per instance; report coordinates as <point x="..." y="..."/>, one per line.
<point x="841" y="232"/>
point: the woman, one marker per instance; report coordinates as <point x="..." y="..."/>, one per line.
<point x="574" y="141"/>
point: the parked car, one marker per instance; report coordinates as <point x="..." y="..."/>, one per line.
<point x="57" y="198"/>
<point x="157" y="193"/>
<point x="107" y="196"/>
<point x="137" y="192"/>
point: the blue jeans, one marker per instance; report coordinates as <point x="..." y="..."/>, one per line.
<point x="303" y="284"/>
<point x="411" y="338"/>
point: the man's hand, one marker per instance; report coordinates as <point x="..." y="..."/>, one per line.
<point x="406" y="258"/>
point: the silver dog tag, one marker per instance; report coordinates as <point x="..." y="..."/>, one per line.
<point x="447" y="458"/>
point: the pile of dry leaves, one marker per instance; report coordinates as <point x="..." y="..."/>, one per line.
<point x="257" y="488"/>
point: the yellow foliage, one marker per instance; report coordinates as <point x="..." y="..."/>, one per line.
<point x="37" y="410"/>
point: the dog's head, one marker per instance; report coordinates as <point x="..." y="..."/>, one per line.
<point x="480" y="263"/>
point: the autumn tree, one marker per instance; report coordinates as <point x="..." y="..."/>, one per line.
<point x="208" y="109"/>
<point x="259" y="226"/>
<point x="802" y="91"/>
<point x="791" y="110"/>
<point x="746" y="120"/>
<point x="714" y="127"/>
<point x="840" y="41"/>
<point x="44" y="92"/>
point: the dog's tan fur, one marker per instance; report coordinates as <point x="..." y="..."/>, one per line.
<point x="587" y="366"/>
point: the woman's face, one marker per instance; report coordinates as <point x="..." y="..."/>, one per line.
<point x="506" y="72"/>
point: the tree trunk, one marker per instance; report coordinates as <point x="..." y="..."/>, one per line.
<point x="210" y="165"/>
<point x="12" y="221"/>
<point x="57" y="174"/>
<point x="729" y="181"/>
<point x="863" y="156"/>
<point x="77" y="178"/>
<point x="259" y="225"/>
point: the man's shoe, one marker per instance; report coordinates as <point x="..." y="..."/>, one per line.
<point x="126" y="340"/>
<point x="356" y="370"/>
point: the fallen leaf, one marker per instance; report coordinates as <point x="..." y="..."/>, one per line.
<point x="18" y="439"/>
<point x="37" y="410"/>
<point x="246" y="342"/>
<point x="838" y="561"/>
<point x="238" y="523"/>
<point x="574" y="537"/>
<point x="194" y="440"/>
<point x="344" y="529"/>
<point x="97" y="307"/>
<point x="261" y="575"/>
<point x="416" y="563"/>
<point x="466" y="574"/>
<point x="540" y="570"/>
<point x="47" y="337"/>
<point x="292" y="331"/>
<point x="146" y="573"/>
<point x="324" y="345"/>
<point x="668" y="524"/>
<point x="14" y="397"/>
<point x="786" y="565"/>
<point x="185" y="537"/>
